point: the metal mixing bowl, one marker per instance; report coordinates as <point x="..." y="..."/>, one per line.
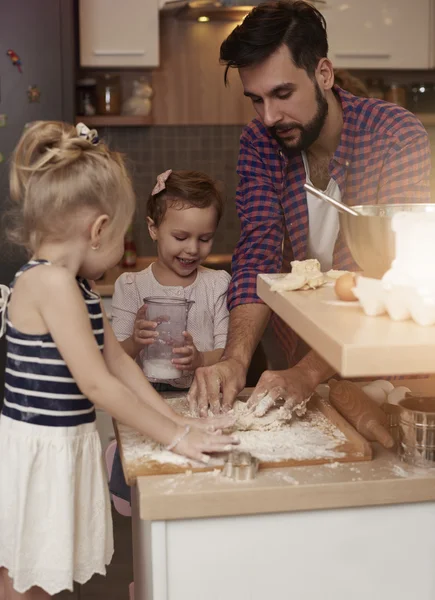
<point x="369" y="236"/>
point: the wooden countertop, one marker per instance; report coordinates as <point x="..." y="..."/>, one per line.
<point x="385" y="480"/>
<point x="354" y="344"/>
<point x="105" y="286"/>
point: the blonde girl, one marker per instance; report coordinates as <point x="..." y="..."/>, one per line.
<point x="75" y="202"/>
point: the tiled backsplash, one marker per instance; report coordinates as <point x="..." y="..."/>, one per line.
<point x="151" y="150"/>
<point x="212" y="149"/>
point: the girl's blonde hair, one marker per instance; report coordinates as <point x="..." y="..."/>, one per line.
<point x="55" y="175"/>
<point x="191" y="188"/>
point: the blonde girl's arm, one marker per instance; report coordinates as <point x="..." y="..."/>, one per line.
<point x="62" y="309"/>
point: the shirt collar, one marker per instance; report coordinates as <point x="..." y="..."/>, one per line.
<point x="344" y="151"/>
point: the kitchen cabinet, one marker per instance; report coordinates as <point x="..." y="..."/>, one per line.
<point x="189" y="86"/>
<point x="119" y="34"/>
<point x="381" y="34"/>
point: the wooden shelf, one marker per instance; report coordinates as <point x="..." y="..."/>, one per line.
<point x="115" y="121"/>
<point x="354" y="344"/>
<point x="428" y="119"/>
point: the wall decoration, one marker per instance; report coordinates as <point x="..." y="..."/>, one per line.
<point x="16" y="60"/>
<point x="3" y="120"/>
<point x="1" y="157"/>
<point x="33" y="93"/>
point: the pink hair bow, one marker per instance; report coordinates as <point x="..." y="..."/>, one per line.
<point x="161" y="182"/>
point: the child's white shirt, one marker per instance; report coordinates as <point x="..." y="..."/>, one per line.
<point x="207" y="320"/>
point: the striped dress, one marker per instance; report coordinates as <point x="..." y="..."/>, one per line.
<point x="52" y="479"/>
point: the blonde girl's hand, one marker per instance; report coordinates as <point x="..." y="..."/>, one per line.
<point x="190" y="358"/>
<point x="144" y="332"/>
<point x="198" y="445"/>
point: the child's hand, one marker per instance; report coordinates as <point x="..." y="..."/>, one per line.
<point x="190" y="358"/>
<point x="144" y="332"/>
<point x="198" y="445"/>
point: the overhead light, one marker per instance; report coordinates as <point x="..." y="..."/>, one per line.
<point x="203" y="19"/>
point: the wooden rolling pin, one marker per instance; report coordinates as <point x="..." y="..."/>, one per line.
<point x="361" y="411"/>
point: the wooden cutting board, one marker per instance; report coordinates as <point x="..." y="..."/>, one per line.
<point x="140" y="457"/>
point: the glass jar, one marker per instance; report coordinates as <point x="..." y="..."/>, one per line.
<point x="109" y="95"/>
<point x="86" y="97"/>
<point x="396" y="94"/>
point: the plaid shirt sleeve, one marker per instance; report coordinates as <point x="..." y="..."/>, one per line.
<point x="260" y="245"/>
<point x="405" y="175"/>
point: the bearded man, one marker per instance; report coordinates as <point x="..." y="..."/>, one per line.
<point x="359" y="150"/>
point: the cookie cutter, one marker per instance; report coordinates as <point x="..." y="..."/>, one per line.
<point x="240" y="466"/>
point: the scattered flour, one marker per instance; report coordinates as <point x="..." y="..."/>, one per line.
<point x="310" y="437"/>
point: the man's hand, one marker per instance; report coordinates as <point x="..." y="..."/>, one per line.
<point x="190" y="358"/>
<point x="291" y="386"/>
<point x="228" y="376"/>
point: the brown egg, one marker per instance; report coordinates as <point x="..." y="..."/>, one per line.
<point x="343" y="287"/>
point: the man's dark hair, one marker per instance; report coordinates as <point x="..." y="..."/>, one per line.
<point x="295" y="23"/>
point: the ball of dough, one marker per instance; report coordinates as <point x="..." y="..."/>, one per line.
<point x="398" y="394"/>
<point x="343" y="287"/>
<point x="376" y="393"/>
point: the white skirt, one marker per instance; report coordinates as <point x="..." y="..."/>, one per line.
<point x="55" y="514"/>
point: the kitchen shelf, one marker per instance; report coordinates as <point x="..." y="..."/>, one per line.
<point x="428" y="119"/>
<point x="115" y="121"/>
<point x="352" y="343"/>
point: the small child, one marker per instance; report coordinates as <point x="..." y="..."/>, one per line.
<point x="183" y="212"/>
<point x="75" y="202"/>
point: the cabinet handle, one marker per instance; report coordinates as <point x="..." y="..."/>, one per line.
<point x="119" y="52"/>
<point x="361" y="55"/>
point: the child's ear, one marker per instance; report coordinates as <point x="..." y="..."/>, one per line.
<point x="152" y="228"/>
<point x="97" y="229"/>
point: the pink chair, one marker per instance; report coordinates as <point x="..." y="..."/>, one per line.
<point x="121" y="506"/>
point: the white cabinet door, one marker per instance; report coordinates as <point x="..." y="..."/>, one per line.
<point x="119" y="34"/>
<point x="380" y="34"/>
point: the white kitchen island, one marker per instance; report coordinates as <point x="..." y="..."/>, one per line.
<point x="341" y="531"/>
<point x="344" y="531"/>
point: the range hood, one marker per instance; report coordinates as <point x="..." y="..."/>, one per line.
<point x="208" y="10"/>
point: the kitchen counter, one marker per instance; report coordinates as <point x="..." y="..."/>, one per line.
<point x="105" y="286"/>
<point x="341" y="531"/>
<point x="384" y="480"/>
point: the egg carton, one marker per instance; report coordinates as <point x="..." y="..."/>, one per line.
<point x="400" y="302"/>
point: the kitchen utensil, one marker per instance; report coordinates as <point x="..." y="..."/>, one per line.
<point x="171" y="316"/>
<point x="335" y="203"/>
<point x="417" y="430"/>
<point x="361" y="411"/>
<point x="370" y="237"/>
<point x="241" y="466"/>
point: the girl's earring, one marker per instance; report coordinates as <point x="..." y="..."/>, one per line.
<point x="96" y="247"/>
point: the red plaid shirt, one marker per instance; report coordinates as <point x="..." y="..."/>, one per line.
<point x="383" y="157"/>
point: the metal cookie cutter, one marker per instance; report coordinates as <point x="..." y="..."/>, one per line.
<point x="241" y="466"/>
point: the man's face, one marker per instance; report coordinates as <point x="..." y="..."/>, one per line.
<point x="287" y="100"/>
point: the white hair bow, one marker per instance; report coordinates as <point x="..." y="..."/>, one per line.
<point x="5" y="292"/>
<point x="91" y="135"/>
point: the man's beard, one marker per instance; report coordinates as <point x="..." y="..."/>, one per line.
<point x="309" y="132"/>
